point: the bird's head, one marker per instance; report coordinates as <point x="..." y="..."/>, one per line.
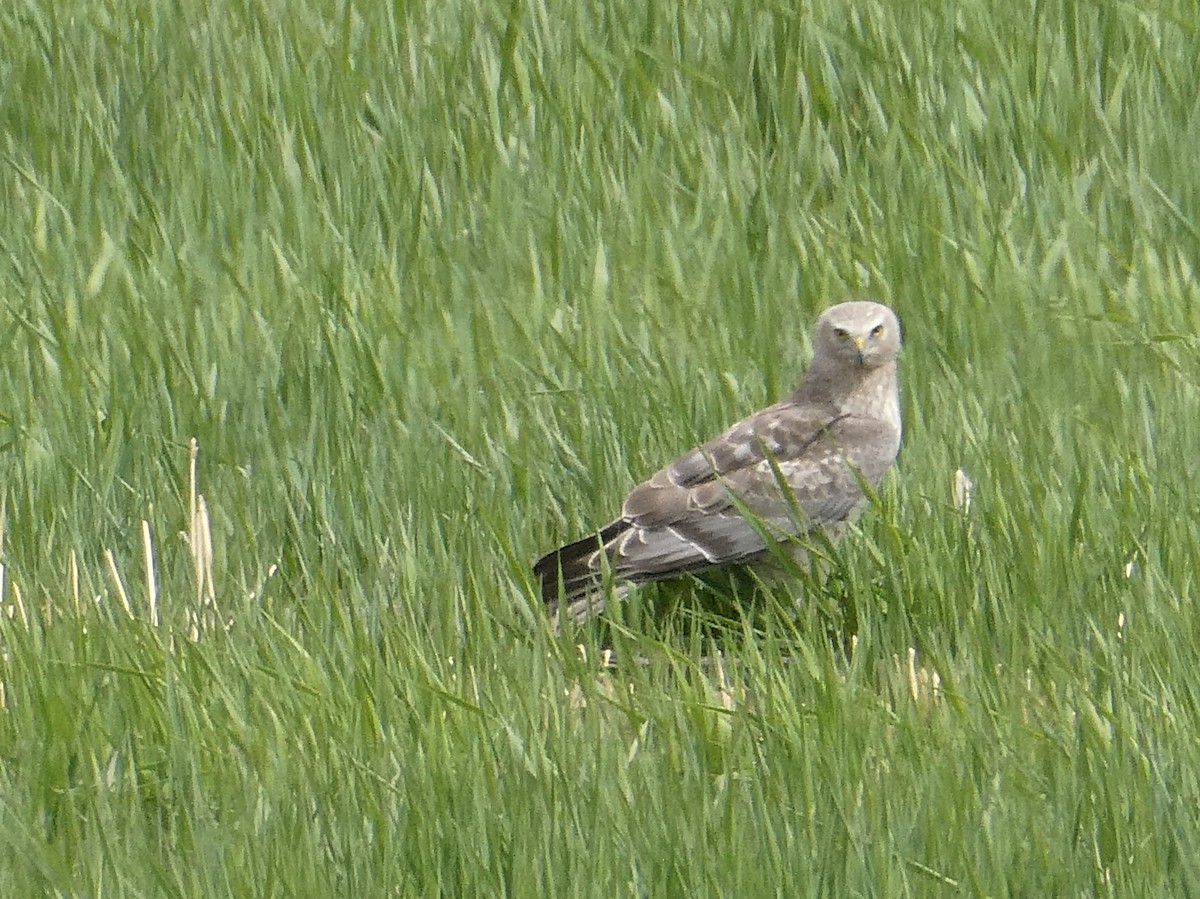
<point x="861" y="332"/>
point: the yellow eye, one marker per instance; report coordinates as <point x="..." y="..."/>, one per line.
<point x="841" y="334"/>
<point x="877" y="331"/>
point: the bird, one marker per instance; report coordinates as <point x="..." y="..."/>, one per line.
<point x="804" y="464"/>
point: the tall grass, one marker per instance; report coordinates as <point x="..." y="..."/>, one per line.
<point x="431" y="285"/>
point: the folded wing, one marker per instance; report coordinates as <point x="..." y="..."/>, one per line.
<point x="791" y="469"/>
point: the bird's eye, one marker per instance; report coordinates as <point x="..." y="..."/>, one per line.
<point x="841" y="333"/>
<point x="877" y="331"/>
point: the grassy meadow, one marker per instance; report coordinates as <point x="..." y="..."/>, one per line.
<point x="431" y="285"/>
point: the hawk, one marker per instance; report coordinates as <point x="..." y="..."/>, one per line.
<point x="794" y="467"/>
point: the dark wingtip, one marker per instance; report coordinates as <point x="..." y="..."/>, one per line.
<point x="570" y="562"/>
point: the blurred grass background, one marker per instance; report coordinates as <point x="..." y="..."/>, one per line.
<point x="432" y="285"/>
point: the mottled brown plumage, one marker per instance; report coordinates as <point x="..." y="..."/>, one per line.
<point x="838" y="429"/>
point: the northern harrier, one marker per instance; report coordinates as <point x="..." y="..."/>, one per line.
<point x="794" y="467"/>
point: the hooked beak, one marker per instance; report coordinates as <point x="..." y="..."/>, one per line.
<point x="860" y="344"/>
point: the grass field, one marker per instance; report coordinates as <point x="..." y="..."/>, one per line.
<point x="431" y="285"/>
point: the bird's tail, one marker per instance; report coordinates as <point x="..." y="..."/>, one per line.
<point x="572" y="577"/>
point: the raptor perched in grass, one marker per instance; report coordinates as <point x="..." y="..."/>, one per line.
<point x="784" y="471"/>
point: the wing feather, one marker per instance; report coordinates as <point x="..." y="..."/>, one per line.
<point x="782" y="430"/>
<point x="677" y="527"/>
